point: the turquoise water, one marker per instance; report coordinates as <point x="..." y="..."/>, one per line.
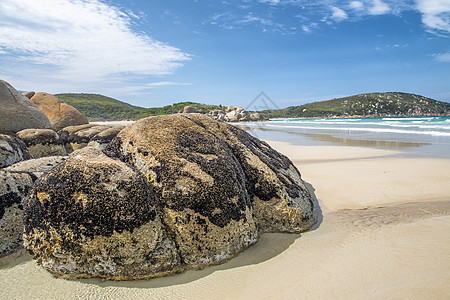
<point x="424" y="126"/>
<point x="421" y="135"/>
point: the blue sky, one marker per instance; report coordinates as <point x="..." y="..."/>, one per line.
<point x="154" y="53"/>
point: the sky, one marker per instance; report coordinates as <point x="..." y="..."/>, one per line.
<point x="155" y="53"/>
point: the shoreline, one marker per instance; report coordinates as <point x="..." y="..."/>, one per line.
<point x="382" y="232"/>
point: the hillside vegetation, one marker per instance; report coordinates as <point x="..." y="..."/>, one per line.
<point x="97" y="107"/>
<point x="366" y="105"/>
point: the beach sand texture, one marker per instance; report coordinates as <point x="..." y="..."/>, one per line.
<point x="383" y="233"/>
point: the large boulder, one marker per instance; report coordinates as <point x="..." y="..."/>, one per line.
<point x="199" y="185"/>
<point x="12" y="150"/>
<point x="42" y="142"/>
<point x="214" y="178"/>
<point x="215" y="190"/>
<point x="15" y="183"/>
<point x="95" y="216"/>
<point x="18" y="112"/>
<point x="59" y="113"/>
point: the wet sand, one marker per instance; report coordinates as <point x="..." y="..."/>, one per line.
<point x="382" y="233"/>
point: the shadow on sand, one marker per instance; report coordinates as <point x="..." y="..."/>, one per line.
<point x="268" y="246"/>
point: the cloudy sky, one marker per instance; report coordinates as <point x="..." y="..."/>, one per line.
<point x="154" y="53"/>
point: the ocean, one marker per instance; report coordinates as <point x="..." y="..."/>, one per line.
<point x="429" y="136"/>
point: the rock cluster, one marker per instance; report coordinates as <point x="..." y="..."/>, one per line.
<point x="232" y="114"/>
<point x="172" y="193"/>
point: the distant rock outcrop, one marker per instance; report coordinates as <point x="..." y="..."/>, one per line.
<point x="175" y="192"/>
<point x="232" y="114"/>
<point x="42" y="142"/>
<point x="189" y="110"/>
<point x="59" y="113"/>
<point x="17" y="112"/>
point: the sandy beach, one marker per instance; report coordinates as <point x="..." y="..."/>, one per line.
<point x="383" y="233"/>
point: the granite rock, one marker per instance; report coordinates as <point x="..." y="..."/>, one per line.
<point x="15" y="183"/>
<point x="189" y="110"/>
<point x="42" y="142"/>
<point x="13" y="190"/>
<point x="78" y="137"/>
<point x="59" y="113"/>
<point x="18" y="112"/>
<point x="95" y="216"/>
<point x="214" y="178"/>
<point x="12" y="150"/>
<point x="28" y="94"/>
<point x="103" y="138"/>
<point x="169" y="193"/>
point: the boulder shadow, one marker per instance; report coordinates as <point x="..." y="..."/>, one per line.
<point x="319" y="213"/>
<point x="268" y="247"/>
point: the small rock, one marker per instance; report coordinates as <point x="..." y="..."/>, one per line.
<point x="256" y="117"/>
<point x="230" y="108"/>
<point x="42" y="142"/>
<point x="232" y="116"/>
<point x="38" y="166"/>
<point x="189" y="110"/>
<point x="102" y="139"/>
<point x="12" y="150"/>
<point x="78" y="137"/>
<point x="28" y="94"/>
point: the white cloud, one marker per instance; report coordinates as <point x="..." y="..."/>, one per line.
<point x="357" y="5"/>
<point x="272" y="2"/>
<point x="81" y="41"/>
<point x="444" y="57"/>
<point x="142" y="88"/>
<point x="338" y="14"/>
<point x="435" y="14"/>
<point x="379" y="8"/>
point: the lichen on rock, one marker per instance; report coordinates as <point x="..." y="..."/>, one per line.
<point x="97" y="219"/>
<point x="169" y="193"/>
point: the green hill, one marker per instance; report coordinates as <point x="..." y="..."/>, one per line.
<point x="366" y="105"/>
<point x="97" y="107"/>
<point x="101" y="108"/>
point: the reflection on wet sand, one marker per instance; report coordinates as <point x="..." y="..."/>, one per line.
<point x="322" y="137"/>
